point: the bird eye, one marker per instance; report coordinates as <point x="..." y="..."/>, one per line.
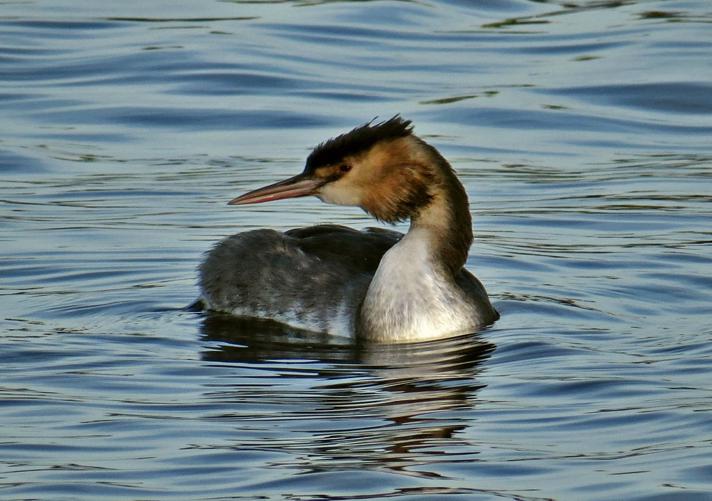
<point x="344" y="168"/>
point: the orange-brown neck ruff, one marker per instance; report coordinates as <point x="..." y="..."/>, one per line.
<point x="421" y="185"/>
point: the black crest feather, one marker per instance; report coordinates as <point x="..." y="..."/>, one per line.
<point x="357" y="141"/>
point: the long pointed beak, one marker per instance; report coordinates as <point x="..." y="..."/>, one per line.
<point x="297" y="186"/>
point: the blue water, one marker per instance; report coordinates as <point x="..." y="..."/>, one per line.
<point x="583" y="133"/>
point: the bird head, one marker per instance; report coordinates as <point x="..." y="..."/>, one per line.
<point x="381" y="167"/>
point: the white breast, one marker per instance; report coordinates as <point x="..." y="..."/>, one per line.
<point x="410" y="300"/>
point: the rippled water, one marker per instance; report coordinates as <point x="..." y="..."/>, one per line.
<point x="583" y="132"/>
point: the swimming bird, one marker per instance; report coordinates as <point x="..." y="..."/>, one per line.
<point x="375" y="284"/>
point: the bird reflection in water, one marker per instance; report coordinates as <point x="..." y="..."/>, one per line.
<point x="388" y="407"/>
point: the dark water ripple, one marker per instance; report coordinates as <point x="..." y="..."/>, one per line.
<point x="582" y="133"/>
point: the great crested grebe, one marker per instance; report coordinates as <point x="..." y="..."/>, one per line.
<point x="374" y="284"/>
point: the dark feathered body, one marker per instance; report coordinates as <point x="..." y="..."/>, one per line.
<point x="293" y="278"/>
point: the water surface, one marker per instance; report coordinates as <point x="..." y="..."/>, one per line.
<point x="583" y="134"/>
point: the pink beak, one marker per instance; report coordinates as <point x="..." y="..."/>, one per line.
<point x="297" y="186"/>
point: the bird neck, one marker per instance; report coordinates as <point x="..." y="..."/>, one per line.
<point x="445" y="221"/>
<point x="420" y="185"/>
<point x="414" y="294"/>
